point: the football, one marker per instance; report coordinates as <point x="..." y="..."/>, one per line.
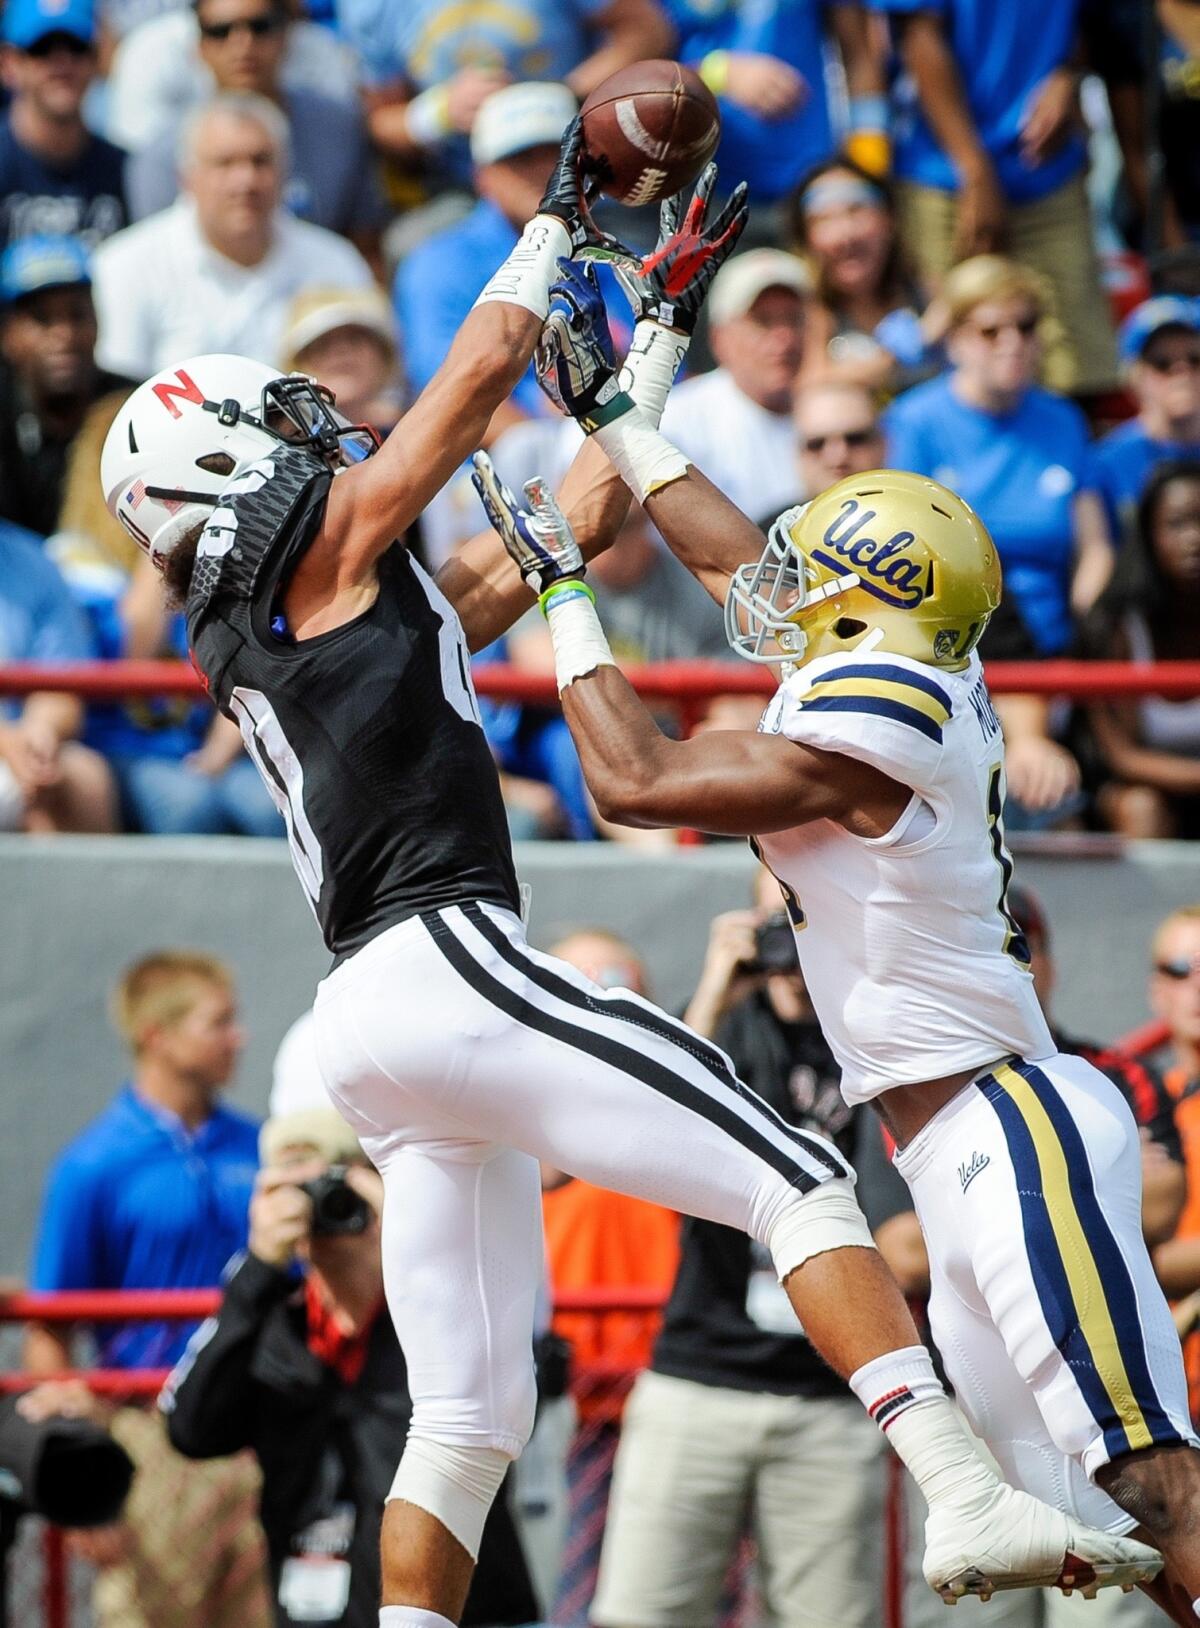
<point x="649" y="130"/>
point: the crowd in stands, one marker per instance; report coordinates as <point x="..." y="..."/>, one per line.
<point x="945" y="195"/>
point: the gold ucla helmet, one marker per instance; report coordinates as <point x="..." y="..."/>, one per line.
<point x="888" y="554"/>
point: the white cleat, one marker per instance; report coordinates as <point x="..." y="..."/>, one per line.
<point x="1015" y="1541"/>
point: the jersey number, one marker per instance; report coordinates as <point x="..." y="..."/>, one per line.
<point x="283" y="777"/>
<point x="454" y="657"/>
<point x="1015" y="943"/>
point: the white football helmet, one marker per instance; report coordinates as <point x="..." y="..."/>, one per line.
<point x="184" y="434"/>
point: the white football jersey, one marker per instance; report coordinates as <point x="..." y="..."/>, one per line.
<point x="913" y="964"/>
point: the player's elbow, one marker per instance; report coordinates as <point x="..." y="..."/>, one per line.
<point x="626" y="795"/>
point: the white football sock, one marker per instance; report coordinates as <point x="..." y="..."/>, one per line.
<point x="904" y="1396"/>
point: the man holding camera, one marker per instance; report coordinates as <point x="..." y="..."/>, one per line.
<point x="301" y="1364"/>
<point x="738" y="1423"/>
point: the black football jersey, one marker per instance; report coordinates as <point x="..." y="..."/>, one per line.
<point x="367" y="737"/>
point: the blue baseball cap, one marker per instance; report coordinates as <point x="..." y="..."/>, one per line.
<point x="1151" y="317"/>
<point x="34" y="263"/>
<point x="25" y="22"/>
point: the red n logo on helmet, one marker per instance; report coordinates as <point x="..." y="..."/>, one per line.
<point x="187" y="390"/>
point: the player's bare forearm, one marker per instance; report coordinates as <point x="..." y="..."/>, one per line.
<point x="378" y="500"/>
<point x="484" y="585"/>
<point x="704" y="530"/>
<point x="731" y="783"/>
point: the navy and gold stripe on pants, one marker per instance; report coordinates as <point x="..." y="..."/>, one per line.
<point x="1084" y="1287"/>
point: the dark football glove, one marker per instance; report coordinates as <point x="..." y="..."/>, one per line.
<point x="670" y="285"/>
<point x="567" y="197"/>
<point x="575" y="361"/>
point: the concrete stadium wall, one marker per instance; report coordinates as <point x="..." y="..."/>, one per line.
<point x="73" y="912"/>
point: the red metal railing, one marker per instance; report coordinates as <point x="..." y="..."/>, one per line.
<point x="687" y="685"/>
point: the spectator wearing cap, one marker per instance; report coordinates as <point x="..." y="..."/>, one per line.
<point x="346" y="340"/>
<point x="429" y="68"/>
<point x="50" y="380"/>
<point x="55" y="175"/>
<point x="1018" y="454"/>
<point x="331" y="177"/>
<point x="514" y="147"/>
<point x="48" y="782"/>
<point x="990" y="158"/>
<point x="768" y="66"/>
<point x="735" y="422"/>
<point x="218" y="270"/>
<point x="1160" y="347"/>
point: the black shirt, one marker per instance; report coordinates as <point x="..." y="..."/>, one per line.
<point x="33" y="458"/>
<point x="84" y="198"/>
<point x="249" y="1379"/>
<point x="727" y="1321"/>
<point x="368" y="736"/>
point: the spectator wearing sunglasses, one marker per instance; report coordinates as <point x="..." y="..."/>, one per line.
<point x="56" y="177"/>
<point x="1018" y="454"/>
<point x="1150" y="746"/>
<point x="1160" y="348"/>
<point x="331" y="179"/>
<point x="837" y="434"/>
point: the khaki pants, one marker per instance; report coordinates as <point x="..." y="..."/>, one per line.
<point x="697" y="1464"/>
<point x="199" y="1558"/>
<point x="1052" y="236"/>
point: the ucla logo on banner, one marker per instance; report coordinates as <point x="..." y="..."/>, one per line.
<point x="885" y="568"/>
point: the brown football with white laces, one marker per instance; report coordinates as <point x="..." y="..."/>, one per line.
<point x="649" y="130"/>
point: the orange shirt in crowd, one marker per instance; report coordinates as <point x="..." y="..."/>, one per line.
<point x="599" y="1239"/>
<point x="1186" y="1096"/>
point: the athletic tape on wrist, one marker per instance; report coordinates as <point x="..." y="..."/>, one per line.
<point x="575" y="632"/>
<point x="427" y="116"/>
<point x="645" y="460"/>
<point x="650" y="369"/>
<point x="525" y="277"/>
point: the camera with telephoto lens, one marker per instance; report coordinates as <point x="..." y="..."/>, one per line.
<point x="774" y="946"/>
<point x="337" y="1209"/>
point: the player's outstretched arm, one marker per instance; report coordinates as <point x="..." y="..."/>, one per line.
<point x="733" y="783"/>
<point x="372" y="504"/>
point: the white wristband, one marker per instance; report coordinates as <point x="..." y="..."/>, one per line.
<point x="645" y="460"/>
<point x="579" y="643"/>
<point x="655" y="357"/>
<point x="525" y="277"/>
<point x="427" y="117"/>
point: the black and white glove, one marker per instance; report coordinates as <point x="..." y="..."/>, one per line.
<point x="670" y="285"/>
<point x="567" y="197"/>
<point x="539" y="540"/>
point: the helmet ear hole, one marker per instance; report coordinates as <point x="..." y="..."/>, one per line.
<point x="216" y="463"/>
<point x="846" y="627"/>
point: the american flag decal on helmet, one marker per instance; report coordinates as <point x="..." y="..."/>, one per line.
<point x="136" y="493"/>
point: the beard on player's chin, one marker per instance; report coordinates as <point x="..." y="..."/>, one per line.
<point x="178" y="566"/>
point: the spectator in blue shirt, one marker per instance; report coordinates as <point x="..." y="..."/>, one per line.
<point x="55" y="175"/>
<point x="1016" y="453"/>
<point x="767" y="66"/>
<point x="153" y="1194"/>
<point x="514" y="145"/>
<point x="1160" y="346"/>
<point x="48" y="782"/>
<point x="429" y="67"/>
<point x="990" y="155"/>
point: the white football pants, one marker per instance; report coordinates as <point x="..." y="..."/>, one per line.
<point x="1044" y="1306"/>
<point x="450" y="1045"/>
